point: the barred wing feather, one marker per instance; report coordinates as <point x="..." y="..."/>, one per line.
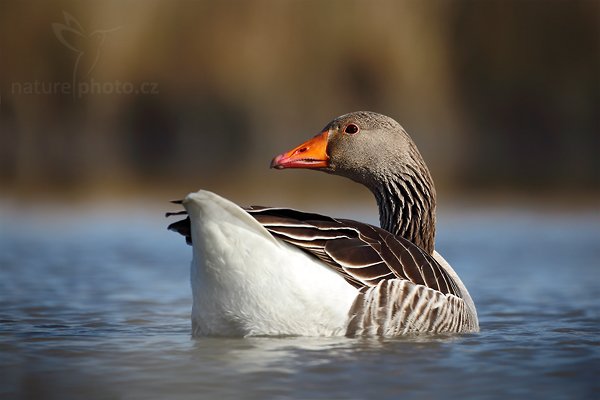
<point x="397" y="307"/>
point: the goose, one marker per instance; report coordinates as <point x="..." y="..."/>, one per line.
<point x="269" y="271"/>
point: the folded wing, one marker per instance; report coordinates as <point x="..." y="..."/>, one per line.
<point x="403" y="289"/>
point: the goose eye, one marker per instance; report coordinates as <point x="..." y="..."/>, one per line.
<point x="351" y="129"/>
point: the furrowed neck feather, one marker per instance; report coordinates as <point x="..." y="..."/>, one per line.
<point x="406" y="201"/>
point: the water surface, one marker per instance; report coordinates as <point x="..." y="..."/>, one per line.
<point x="96" y="305"/>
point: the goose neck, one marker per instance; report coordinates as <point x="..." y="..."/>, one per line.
<point x="406" y="204"/>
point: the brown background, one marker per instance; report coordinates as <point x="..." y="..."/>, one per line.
<point x="502" y="97"/>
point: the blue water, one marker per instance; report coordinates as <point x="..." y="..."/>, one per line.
<point x="95" y="305"/>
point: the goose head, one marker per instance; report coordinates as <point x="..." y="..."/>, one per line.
<point x="374" y="150"/>
<point x="366" y="147"/>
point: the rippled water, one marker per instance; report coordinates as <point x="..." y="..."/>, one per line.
<point x="96" y="305"/>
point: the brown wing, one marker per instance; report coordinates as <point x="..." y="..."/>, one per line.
<point x="363" y="254"/>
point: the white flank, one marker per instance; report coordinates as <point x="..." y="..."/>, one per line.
<point x="245" y="282"/>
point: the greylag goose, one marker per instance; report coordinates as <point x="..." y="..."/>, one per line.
<point x="278" y="271"/>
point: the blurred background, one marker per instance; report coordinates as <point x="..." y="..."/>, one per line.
<point x="111" y="100"/>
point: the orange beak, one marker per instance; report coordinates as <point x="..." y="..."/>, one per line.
<point x="310" y="154"/>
